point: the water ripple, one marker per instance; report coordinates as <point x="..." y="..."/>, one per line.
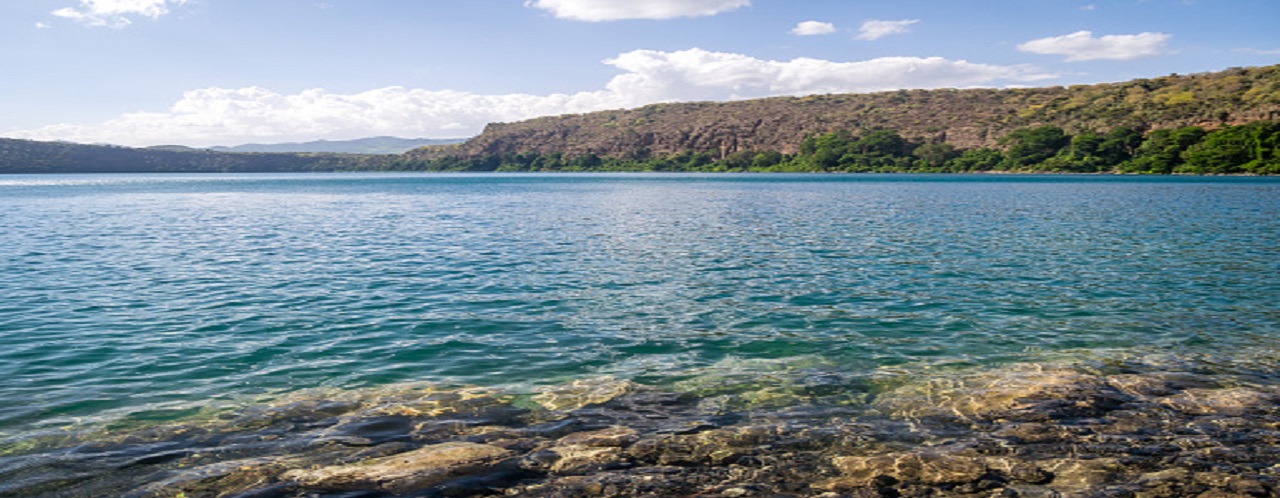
<point x="140" y="291"/>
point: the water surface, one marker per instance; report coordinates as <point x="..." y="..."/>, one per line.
<point x="143" y="296"/>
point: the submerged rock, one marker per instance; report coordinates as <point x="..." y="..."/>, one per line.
<point x="1073" y="475"/>
<point x="931" y="468"/>
<point x="576" y="459"/>
<point x="583" y="452"/>
<point x="581" y="393"/>
<point x="1230" y="402"/>
<point x="611" y="437"/>
<point x="1018" y="431"/>
<point x="427" y="466"/>
<point x="1017" y="393"/>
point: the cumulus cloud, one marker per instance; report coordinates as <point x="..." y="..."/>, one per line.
<point x="220" y="116"/>
<point x="615" y="10"/>
<point x="877" y="29"/>
<point x="1083" y="46"/>
<point x="116" y="13"/>
<point x="653" y="76"/>
<point x="810" y="28"/>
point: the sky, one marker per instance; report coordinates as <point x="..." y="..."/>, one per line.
<point x="226" y="72"/>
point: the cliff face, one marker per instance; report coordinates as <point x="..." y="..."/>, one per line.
<point x="963" y="118"/>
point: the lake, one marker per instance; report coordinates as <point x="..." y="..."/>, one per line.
<point x="136" y="308"/>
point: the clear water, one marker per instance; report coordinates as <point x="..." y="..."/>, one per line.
<point x="140" y="296"/>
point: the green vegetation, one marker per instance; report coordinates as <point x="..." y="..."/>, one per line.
<point x="1252" y="149"/>
<point x="25" y="156"/>
<point x="1247" y="149"/>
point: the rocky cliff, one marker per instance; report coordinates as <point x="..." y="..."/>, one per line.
<point x="963" y="118"/>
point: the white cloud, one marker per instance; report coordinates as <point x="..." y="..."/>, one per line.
<point x="220" y="116"/>
<point x="615" y="10"/>
<point x="43" y="25"/>
<point x="1259" y="51"/>
<point x="877" y="29"/>
<point x="1083" y="46"/>
<point x="116" y="13"/>
<point x="653" y="76"/>
<point x="810" y="28"/>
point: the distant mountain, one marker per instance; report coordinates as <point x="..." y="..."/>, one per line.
<point x="27" y="156"/>
<point x="173" y="148"/>
<point x="374" y="145"/>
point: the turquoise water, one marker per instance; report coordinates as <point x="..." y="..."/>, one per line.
<point x="142" y="296"/>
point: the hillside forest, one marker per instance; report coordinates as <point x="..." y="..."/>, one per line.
<point x="1252" y="149"/>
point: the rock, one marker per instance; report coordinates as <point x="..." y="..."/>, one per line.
<point x="612" y="437"/>
<point x="1232" y="483"/>
<point x="584" y="452"/>
<point x="1232" y="402"/>
<point x="407" y="471"/>
<point x="575" y="459"/>
<point x="581" y="393"/>
<point x="1027" y="393"/>
<point x="1033" y="432"/>
<point x="1167" y="483"/>
<point x="1251" y="487"/>
<point x="716" y="447"/>
<point x="1074" y="475"/>
<point x="664" y="482"/>
<point x="1024" y="491"/>
<point x="1217" y="493"/>
<point x="1019" y="471"/>
<point x="373" y="430"/>
<point x="1142" y="385"/>
<point x="929" y="468"/>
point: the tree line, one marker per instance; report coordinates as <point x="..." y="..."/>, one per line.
<point x="1253" y="148"/>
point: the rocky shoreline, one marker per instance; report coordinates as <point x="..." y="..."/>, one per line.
<point x="1135" y="428"/>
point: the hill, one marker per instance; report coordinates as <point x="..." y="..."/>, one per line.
<point x="27" y="156"/>
<point x="373" y="145"/>
<point x="1226" y="122"/>
<point x="962" y="119"/>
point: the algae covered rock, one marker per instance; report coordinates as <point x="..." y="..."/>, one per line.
<point x="426" y="466"/>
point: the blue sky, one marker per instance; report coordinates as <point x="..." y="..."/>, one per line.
<point x="224" y="72"/>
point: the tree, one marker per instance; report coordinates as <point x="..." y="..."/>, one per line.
<point x="1235" y="149"/>
<point x="1161" y="152"/>
<point x="980" y="159"/>
<point x="1028" y="147"/>
<point x="934" y="157"/>
<point x="881" y="142"/>
<point x="1083" y="155"/>
<point x="738" y="161"/>
<point x="1120" y="145"/>
<point x="767" y="159"/>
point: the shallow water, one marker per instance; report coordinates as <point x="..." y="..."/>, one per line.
<point x="133" y="300"/>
